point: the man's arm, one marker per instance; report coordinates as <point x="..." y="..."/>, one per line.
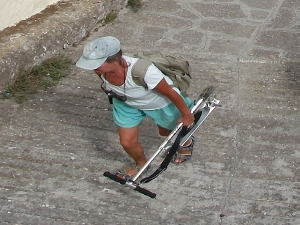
<point x="164" y="88"/>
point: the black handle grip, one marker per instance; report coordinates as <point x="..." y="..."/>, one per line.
<point x="145" y="192"/>
<point x="114" y="177"/>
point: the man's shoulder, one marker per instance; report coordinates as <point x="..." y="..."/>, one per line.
<point x="130" y="58"/>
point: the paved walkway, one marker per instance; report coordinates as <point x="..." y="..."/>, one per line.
<point x="245" y="168"/>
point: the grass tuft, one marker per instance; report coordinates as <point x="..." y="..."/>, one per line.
<point x="109" y="18"/>
<point x="134" y="4"/>
<point x="40" y="77"/>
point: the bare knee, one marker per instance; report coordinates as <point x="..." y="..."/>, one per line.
<point x="129" y="137"/>
<point x="128" y="144"/>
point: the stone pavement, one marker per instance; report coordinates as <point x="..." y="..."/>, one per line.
<point x="245" y="167"/>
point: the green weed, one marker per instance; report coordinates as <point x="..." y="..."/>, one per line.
<point x="109" y="18"/>
<point x="42" y="76"/>
<point x="134" y="4"/>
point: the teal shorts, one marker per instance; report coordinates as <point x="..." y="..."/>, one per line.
<point x="127" y="117"/>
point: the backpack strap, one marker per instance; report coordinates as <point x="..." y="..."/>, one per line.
<point x="139" y="70"/>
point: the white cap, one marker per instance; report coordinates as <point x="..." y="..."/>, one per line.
<point x="97" y="51"/>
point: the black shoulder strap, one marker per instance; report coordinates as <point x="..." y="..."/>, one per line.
<point x="164" y="165"/>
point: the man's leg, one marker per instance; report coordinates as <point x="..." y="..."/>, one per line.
<point x="165" y="132"/>
<point x="129" y="139"/>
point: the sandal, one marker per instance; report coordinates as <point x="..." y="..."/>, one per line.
<point x="184" y="153"/>
<point x="123" y="173"/>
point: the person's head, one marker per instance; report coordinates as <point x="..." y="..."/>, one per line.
<point x="101" y="50"/>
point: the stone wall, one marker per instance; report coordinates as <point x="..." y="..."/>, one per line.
<point x="48" y="33"/>
<point x="12" y="12"/>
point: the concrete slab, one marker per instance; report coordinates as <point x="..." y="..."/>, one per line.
<point x="245" y="167"/>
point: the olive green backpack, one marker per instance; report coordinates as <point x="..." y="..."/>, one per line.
<point x="178" y="70"/>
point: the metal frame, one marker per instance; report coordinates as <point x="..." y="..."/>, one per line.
<point x="205" y="103"/>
